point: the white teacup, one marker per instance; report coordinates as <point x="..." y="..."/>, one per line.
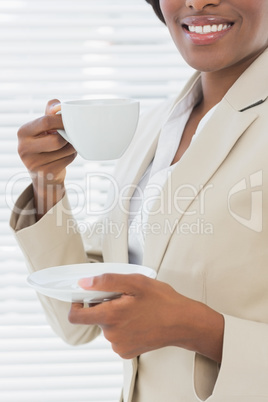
<point x="100" y="129"/>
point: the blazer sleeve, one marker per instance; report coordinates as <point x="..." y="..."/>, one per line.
<point x="54" y="240"/>
<point x="242" y="375"/>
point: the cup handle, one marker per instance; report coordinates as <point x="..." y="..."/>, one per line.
<point x="63" y="132"/>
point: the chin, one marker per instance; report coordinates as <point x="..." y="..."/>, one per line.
<point x="204" y="67"/>
<point x="207" y="64"/>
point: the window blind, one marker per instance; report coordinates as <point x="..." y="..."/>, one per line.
<point x="66" y="49"/>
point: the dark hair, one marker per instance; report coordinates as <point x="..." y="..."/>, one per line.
<point x="157" y="9"/>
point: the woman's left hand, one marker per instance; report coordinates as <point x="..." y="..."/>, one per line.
<point x="149" y="315"/>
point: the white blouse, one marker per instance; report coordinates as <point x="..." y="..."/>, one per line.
<point x="158" y="171"/>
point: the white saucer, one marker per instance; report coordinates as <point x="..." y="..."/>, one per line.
<point x="61" y="282"/>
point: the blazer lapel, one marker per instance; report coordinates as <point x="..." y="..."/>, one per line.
<point x="231" y="118"/>
<point x="128" y="172"/>
<point x="195" y="168"/>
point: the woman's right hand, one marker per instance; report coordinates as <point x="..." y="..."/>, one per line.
<point x="45" y="154"/>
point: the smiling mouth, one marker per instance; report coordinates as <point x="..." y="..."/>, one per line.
<point x="207" y="29"/>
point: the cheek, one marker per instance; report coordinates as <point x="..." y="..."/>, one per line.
<point x="254" y="17"/>
<point x="167" y="8"/>
<point x="255" y="27"/>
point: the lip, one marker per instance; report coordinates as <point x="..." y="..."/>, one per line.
<point x="205" y="38"/>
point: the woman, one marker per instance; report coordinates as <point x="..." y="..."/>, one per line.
<point x="200" y="331"/>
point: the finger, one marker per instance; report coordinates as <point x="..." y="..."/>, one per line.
<point x="53" y="106"/>
<point x="74" y="312"/>
<point x="87" y="316"/>
<point x="34" y="157"/>
<point x="56" y="160"/>
<point x="77" y="306"/>
<point x="42" y="144"/>
<point x="63" y="152"/>
<point x="128" y="284"/>
<point x="52" y="142"/>
<point x="42" y="125"/>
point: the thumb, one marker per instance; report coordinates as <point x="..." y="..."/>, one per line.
<point x="86" y="283"/>
<point x="121" y="283"/>
<point x="53" y="106"/>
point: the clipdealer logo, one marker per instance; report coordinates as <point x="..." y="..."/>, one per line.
<point x="255" y="221"/>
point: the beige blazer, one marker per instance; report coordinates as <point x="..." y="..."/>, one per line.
<point x="208" y="239"/>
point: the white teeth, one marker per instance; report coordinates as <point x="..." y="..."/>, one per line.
<point x="207" y="28"/>
<point x="204" y="29"/>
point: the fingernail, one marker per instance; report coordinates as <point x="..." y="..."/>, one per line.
<point x="56" y="107"/>
<point x="85" y="283"/>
